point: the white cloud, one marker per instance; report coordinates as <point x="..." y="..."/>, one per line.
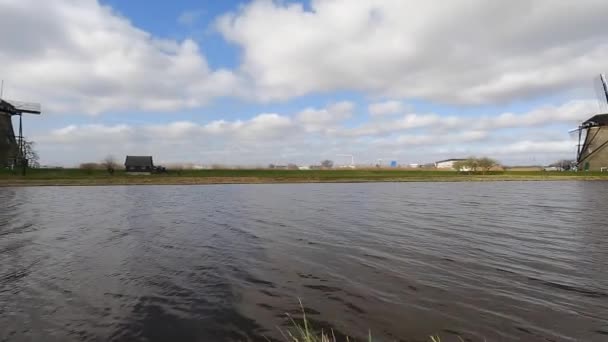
<point x="80" y="56"/>
<point x="465" y="52"/>
<point x="327" y="118"/>
<point x="386" y="108"/>
<point x="83" y="57"/>
<point x="76" y="134"/>
<point x="570" y="113"/>
<point x="314" y="134"/>
<point x="432" y="139"/>
<point x="528" y="147"/>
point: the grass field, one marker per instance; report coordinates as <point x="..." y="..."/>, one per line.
<point x="227" y="176"/>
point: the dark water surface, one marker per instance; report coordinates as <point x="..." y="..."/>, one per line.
<point x="503" y="261"/>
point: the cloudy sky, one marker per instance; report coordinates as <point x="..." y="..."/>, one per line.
<point x="265" y="81"/>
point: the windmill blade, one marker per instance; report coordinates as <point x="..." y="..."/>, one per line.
<point x="26" y="107"/>
<point x="601" y="91"/>
<point x="575" y="133"/>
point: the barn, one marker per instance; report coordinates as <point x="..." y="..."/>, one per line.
<point x="593" y="152"/>
<point x="139" y="164"/>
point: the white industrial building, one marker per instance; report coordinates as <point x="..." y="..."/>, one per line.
<point x="447" y="164"/>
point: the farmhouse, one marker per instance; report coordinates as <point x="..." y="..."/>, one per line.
<point x="447" y="164"/>
<point x="139" y="164"/>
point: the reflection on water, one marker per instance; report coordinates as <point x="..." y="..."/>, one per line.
<point x="502" y="261"/>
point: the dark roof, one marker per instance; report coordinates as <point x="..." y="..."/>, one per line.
<point x="597" y="120"/>
<point x="6" y="107"/>
<point x="142" y="161"/>
<point x="447" y="160"/>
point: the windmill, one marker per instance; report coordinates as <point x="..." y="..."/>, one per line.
<point x="12" y="146"/>
<point x="592" y="148"/>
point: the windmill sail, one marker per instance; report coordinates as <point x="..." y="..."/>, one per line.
<point x="601" y="90"/>
<point x="24" y="107"/>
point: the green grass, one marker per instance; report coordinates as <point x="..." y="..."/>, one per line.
<point x="257" y="173"/>
<point x="99" y="177"/>
<point x="305" y="332"/>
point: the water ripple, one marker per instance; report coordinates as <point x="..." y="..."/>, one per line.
<point x="498" y="261"/>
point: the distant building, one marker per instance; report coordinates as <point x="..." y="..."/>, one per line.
<point x="200" y="167"/>
<point x="139" y="164"/>
<point x="447" y="164"/>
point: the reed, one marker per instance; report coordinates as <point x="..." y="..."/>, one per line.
<point x="305" y="332"/>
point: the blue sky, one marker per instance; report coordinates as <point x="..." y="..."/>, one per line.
<point x="258" y="82"/>
<point x="163" y="20"/>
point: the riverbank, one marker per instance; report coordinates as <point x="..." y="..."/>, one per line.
<point x="76" y="177"/>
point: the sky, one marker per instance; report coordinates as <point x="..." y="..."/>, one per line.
<point x="260" y="82"/>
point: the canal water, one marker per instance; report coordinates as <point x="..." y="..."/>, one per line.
<point x="500" y="261"/>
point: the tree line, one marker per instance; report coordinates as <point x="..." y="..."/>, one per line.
<point x="473" y="164"/>
<point x="109" y="164"/>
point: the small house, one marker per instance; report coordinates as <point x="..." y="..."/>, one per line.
<point x="139" y="164"/>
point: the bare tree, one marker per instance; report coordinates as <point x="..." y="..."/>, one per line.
<point x="564" y="164"/>
<point x="89" y="167"/>
<point x="472" y="164"/>
<point x="110" y="164"/>
<point x="328" y="164"/>
<point x="468" y="165"/>
<point x="461" y="165"/>
<point x="486" y="164"/>
<point x="30" y="154"/>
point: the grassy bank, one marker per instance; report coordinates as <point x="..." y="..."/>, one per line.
<point x="236" y="176"/>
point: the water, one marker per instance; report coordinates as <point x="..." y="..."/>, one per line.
<point x="504" y="261"/>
